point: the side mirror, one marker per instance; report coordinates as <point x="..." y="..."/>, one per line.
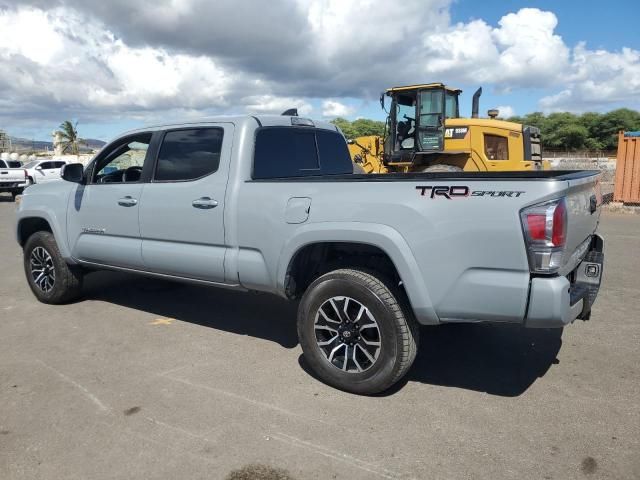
<point x="39" y="167"/>
<point x="72" y="172"/>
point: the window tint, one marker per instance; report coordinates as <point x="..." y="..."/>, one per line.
<point x="282" y="152"/>
<point x="285" y="152"/>
<point x="496" y="147"/>
<point x="58" y="164"/>
<point x="189" y="154"/>
<point x="13" y="164"/>
<point x="334" y="153"/>
<point x="46" y="165"/>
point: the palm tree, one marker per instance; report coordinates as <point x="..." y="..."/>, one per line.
<point x="70" y="141"/>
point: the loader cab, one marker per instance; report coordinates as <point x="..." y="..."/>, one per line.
<point x="415" y="125"/>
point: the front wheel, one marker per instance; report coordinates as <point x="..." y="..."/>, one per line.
<point x="50" y="278"/>
<point x="354" y="334"/>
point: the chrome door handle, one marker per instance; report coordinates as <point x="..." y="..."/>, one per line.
<point x="204" y="203"/>
<point x="127" y="201"/>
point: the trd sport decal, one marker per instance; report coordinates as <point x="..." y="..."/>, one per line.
<point x="462" y="191"/>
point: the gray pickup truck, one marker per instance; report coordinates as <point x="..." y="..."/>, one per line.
<point x="271" y="203"/>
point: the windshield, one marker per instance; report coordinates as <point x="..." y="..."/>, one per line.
<point x="32" y="164"/>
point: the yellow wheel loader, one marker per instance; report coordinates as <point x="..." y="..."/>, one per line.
<point x="425" y="133"/>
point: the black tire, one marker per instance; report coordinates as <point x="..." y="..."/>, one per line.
<point x="397" y="332"/>
<point x="441" y="168"/>
<point x="67" y="280"/>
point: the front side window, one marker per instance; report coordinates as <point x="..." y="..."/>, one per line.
<point x="496" y="147"/>
<point x="124" y="161"/>
<point x="189" y="154"/>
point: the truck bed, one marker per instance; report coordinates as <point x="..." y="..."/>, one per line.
<point x="541" y="175"/>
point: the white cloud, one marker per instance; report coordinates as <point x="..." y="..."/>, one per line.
<point x="333" y="108"/>
<point x="523" y="51"/>
<point x="598" y="78"/>
<point x="276" y="105"/>
<point x="506" y="111"/>
<point x="98" y="60"/>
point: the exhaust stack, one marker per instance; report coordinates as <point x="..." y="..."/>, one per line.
<point x="475" y="105"/>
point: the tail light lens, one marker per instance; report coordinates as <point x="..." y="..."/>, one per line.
<point x="25" y="174"/>
<point x="545" y="231"/>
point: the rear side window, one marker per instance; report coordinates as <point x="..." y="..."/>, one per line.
<point x="189" y="154"/>
<point x="58" y="164"/>
<point x="282" y="152"/>
<point x="14" y="164"/>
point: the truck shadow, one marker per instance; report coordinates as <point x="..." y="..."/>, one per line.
<point x="258" y="315"/>
<point x="503" y="360"/>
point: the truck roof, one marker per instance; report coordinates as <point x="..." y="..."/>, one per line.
<point x="261" y="120"/>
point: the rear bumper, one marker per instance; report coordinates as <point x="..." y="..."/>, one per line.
<point x="10" y="186"/>
<point x="557" y="301"/>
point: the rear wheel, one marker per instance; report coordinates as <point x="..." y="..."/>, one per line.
<point x="50" y="278"/>
<point x="354" y="334"/>
<point x="441" y="168"/>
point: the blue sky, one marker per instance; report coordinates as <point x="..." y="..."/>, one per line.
<point x="119" y="65"/>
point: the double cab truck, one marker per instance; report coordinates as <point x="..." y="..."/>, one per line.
<point x="271" y="204"/>
<point x="12" y="177"/>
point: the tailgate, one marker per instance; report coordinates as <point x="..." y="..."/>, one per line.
<point x="584" y="200"/>
<point x="11" y="175"/>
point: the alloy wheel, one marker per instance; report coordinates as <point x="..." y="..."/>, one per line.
<point x="43" y="271"/>
<point x="347" y="334"/>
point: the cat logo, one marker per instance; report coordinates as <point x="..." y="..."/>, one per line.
<point x="456" y="133"/>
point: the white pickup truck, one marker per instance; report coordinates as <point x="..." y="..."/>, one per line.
<point x="271" y="204"/>
<point x="13" y="177"/>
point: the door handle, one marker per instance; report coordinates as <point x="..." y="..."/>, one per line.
<point x="127" y="201"/>
<point x="204" y="203"/>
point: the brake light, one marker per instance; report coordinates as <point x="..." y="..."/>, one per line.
<point x="25" y="174"/>
<point x="559" y="230"/>
<point x="537" y="225"/>
<point x="545" y="229"/>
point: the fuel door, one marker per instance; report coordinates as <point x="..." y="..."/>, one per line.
<point x="297" y="210"/>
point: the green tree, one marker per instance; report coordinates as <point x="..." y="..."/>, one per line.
<point x="361" y="127"/>
<point x="612" y="122"/>
<point x="71" y="142"/>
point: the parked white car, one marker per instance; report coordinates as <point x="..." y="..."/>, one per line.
<point x="43" y="171"/>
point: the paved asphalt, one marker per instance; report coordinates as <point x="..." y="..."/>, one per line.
<point x="144" y="379"/>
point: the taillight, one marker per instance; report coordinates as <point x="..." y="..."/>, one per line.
<point x="25" y="174"/>
<point x="545" y="229"/>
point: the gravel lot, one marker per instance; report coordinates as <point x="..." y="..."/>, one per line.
<point x="144" y="379"/>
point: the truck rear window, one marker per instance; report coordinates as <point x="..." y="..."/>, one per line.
<point x="282" y="152"/>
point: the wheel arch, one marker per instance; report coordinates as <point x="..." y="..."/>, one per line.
<point x="308" y="248"/>
<point x="30" y="223"/>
